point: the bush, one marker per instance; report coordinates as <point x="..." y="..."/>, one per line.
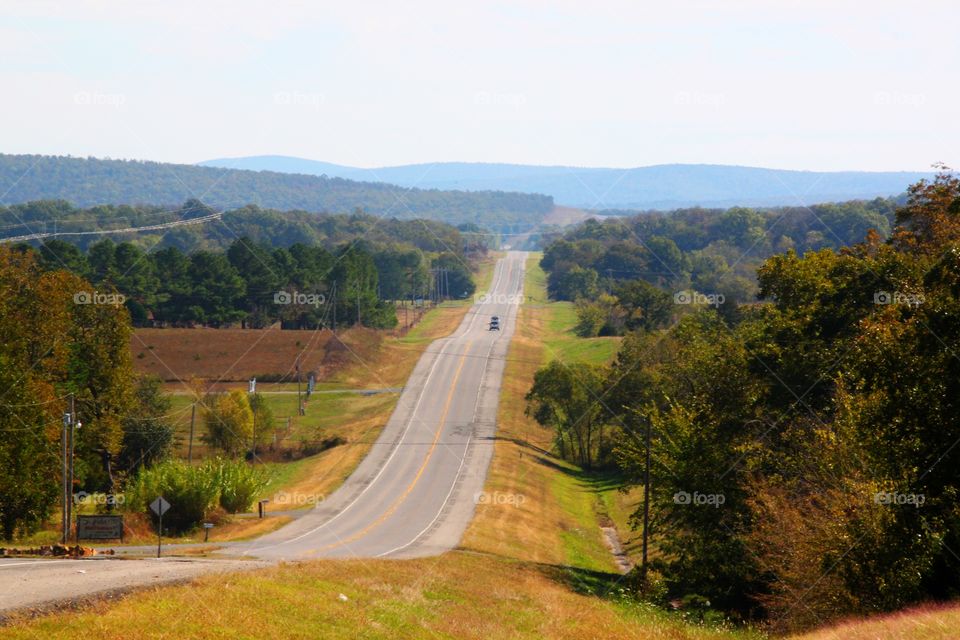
<point x="195" y="492"/>
<point x="239" y="483"/>
<point x="229" y="421"/>
<point x="191" y="491"/>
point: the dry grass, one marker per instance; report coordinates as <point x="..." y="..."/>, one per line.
<point x="139" y="530"/>
<point x="931" y="622"/>
<point x="458" y="595"/>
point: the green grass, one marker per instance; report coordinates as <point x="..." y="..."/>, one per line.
<point x="560" y="318"/>
<point x="582" y="544"/>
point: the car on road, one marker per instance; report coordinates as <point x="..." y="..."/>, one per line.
<point x="495" y="323"/>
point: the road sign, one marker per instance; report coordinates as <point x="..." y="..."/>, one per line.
<point x="159" y="506"/>
<point x="99" y="527"/>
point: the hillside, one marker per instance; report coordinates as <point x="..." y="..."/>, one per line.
<point x="665" y="186"/>
<point x="89" y="181"/>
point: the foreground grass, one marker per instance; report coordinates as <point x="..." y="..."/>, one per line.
<point x="919" y="623"/>
<point x="458" y="595"/>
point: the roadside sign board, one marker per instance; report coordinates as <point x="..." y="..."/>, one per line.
<point x="159" y="506"/>
<point x="99" y="527"/>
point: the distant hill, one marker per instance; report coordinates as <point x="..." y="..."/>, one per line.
<point x="666" y="186"/>
<point x="87" y="182"/>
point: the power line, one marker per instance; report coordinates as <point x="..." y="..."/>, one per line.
<point x="152" y="227"/>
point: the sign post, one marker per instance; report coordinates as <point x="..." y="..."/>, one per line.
<point x="159" y="507"/>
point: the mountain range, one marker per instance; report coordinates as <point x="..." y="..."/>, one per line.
<point x="666" y="186"/>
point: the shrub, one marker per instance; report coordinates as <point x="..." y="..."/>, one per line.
<point x="229" y="421"/>
<point x="191" y="491"/>
<point x="195" y="492"/>
<point x="239" y="483"/>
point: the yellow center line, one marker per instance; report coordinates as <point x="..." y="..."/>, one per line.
<point x="436" y="439"/>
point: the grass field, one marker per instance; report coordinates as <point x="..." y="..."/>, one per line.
<point x="457" y="596"/>
<point x="932" y="622"/>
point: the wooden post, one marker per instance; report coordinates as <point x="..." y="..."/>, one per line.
<point x="193" y="418"/>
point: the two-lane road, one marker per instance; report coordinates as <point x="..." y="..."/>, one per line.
<point x="414" y="494"/>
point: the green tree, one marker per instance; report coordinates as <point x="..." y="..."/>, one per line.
<point x="216" y="288"/>
<point x="565" y="398"/>
<point x="229" y="421"/>
<point x="148" y="433"/>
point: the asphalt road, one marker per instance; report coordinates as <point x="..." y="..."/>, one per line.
<point x="413" y="495"/>
<point x="415" y="492"/>
<point x="42" y="583"/>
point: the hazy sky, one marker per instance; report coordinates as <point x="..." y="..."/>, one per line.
<point x="806" y="85"/>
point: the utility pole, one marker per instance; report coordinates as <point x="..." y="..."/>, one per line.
<point x="193" y="419"/>
<point x="359" y="322"/>
<point x="646" y="506"/>
<point x="73" y="436"/>
<point x="299" y="401"/>
<point x="67" y="448"/>
<point x="64" y="497"/>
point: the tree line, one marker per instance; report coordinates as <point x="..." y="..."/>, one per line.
<point x="92" y="182"/>
<point x="255" y="285"/>
<point x="804" y="448"/>
<point x="621" y="270"/>
<point x="84" y="226"/>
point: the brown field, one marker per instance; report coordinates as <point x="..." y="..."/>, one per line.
<point x="234" y="354"/>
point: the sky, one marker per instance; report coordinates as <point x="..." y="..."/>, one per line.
<point x="796" y="85"/>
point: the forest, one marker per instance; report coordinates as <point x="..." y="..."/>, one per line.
<point x="90" y="181"/>
<point x="255" y="285"/>
<point x="625" y="271"/>
<point x="803" y="444"/>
